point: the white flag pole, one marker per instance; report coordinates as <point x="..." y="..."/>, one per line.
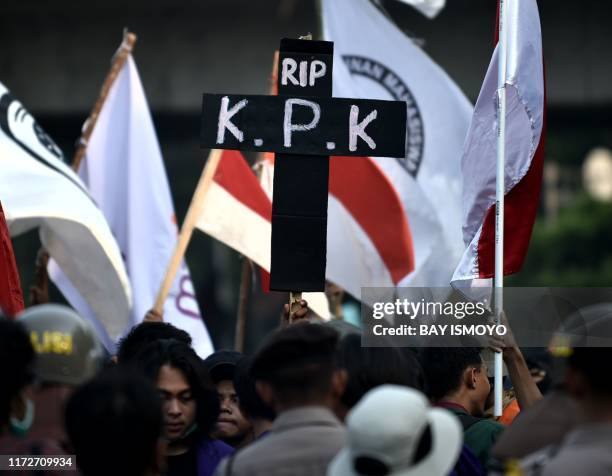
<point x="499" y="196"/>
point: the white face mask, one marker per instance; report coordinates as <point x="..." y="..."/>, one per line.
<point x="21" y="427"/>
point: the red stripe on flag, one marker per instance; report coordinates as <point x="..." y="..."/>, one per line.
<point x="361" y="187"/>
<point x="236" y="177"/>
<point x="11" y="297"/>
<point x="520" y="210"/>
<point x="265" y="280"/>
<point x="366" y="193"/>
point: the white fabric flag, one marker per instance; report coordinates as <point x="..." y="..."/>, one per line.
<point x="429" y="8"/>
<point x="385" y="64"/>
<point x="125" y="173"/>
<point x="38" y="190"/>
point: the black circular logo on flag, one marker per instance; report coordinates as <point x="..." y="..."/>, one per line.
<point x="397" y="89"/>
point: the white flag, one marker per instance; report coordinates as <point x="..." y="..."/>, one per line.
<point x="429" y="8"/>
<point x="125" y="173"/>
<point x="374" y="59"/>
<point x="38" y="190"/>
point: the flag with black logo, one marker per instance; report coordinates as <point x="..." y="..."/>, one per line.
<point x="38" y="190"/>
<point x="375" y="59"/>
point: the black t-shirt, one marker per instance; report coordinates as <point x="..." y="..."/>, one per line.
<point x="184" y="464"/>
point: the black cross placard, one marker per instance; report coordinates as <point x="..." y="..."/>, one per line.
<point x="303" y="125"/>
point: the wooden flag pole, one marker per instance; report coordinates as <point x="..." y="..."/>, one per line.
<point x="126" y="47"/>
<point x="193" y="213"/>
<point x="294" y="304"/>
<point x="40" y="291"/>
<point x="296" y="296"/>
<point x="247" y="265"/>
<point x="243" y="304"/>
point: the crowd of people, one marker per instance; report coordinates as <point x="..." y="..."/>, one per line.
<point x="310" y="401"/>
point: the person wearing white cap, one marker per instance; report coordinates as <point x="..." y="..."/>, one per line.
<point x="394" y="432"/>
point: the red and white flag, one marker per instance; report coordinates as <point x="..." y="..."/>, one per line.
<point x="11" y="297"/>
<point x="237" y="211"/>
<point x="524" y="152"/>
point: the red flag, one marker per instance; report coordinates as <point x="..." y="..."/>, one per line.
<point x="11" y="297"/>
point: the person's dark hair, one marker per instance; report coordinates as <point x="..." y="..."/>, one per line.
<point x="221" y="365"/>
<point x="589" y="361"/>
<point x="182" y="357"/>
<point x="143" y="334"/>
<point x="298" y="362"/>
<point x="369" y="367"/>
<point x="16" y="364"/>
<point x="251" y="403"/>
<point x="444" y="366"/>
<point x="114" y="423"/>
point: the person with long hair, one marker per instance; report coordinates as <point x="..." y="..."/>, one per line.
<point x="190" y="406"/>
